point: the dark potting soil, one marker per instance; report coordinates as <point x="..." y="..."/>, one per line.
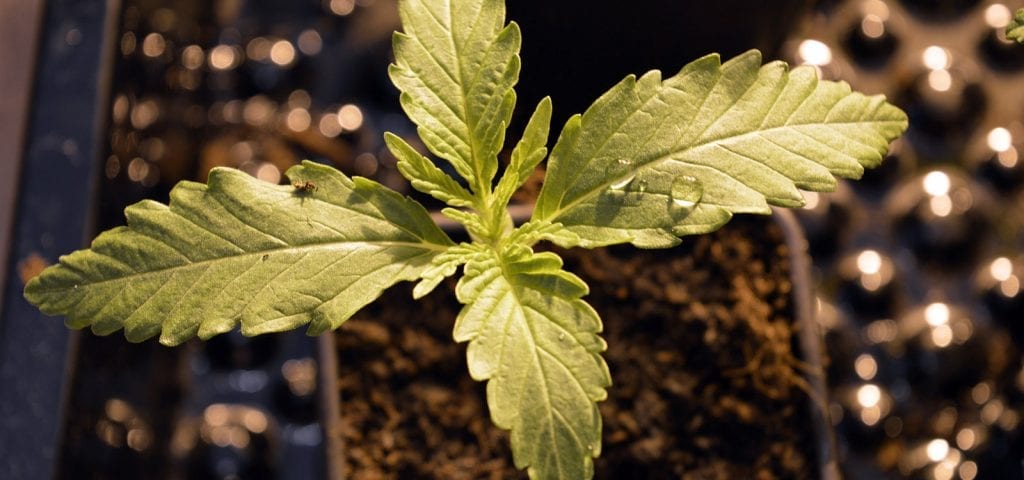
<point x="701" y="347"/>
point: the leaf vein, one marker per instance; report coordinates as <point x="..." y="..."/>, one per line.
<point x="228" y="209"/>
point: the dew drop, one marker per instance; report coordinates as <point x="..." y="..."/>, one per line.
<point x="622" y="184"/>
<point x="561" y="336"/>
<point x="686" y="193"/>
<point x="617" y="170"/>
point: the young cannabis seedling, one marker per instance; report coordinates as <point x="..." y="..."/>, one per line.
<point x="652" y="159"/>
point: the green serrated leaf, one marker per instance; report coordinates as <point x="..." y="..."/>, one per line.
<point x="445" y="265"/>
<point x="1015" y="30"/>
<point x="534" y="231"/>
<point x="456" y="64"/>
<point x="470" y="220"/>
<point x="528" y="153"/>
<point x="536" y="343"/>
<point x="243" y="251"/>
<point x="652" y="159"/>
<point x="425" y="176"/>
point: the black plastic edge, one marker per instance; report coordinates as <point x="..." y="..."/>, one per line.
<point x="811" y="339"/>
<point x="54" y="213"/>
<point x="330" y="406"/>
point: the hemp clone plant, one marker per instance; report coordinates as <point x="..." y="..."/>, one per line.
<point x="651" y="160"/>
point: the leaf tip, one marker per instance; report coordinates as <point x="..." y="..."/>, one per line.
<point x="139" y="335"/>
<point x="209" y="330"/>
<point x="218" y="175"/>
<point x="169" y="340"/>
<point x="753" y="53"/>
<point x="512" y="29"/>
<point x="31" y="292"/>
<point x="545" y="102"/>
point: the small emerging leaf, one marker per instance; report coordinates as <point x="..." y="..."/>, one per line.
<point x="527" y="154"/>
<point x="425" y="176"/>
<point x="536" y="343"/>
<point x="444" y="266"/>
<point x="652" y="160"/>
<point x="536" y="230"/>
<point x="470" y="220"/>
<point x="243" y="251"/>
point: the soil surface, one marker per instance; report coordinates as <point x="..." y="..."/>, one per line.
<point x="700" y="345"/>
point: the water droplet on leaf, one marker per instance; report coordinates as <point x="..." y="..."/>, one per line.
<point x="622" y="184"/>
<point x="686" y="193"/>
<point x="620" y="170"/>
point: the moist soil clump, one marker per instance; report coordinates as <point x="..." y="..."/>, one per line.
<point x="701" y="346"/>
